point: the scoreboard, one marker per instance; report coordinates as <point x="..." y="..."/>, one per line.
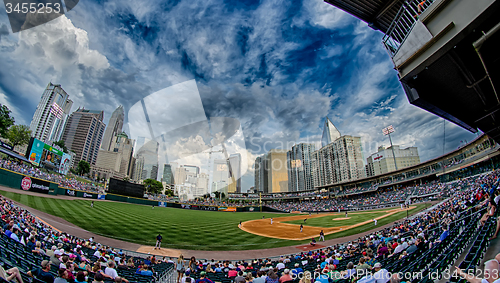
<point x="125" y="188"/>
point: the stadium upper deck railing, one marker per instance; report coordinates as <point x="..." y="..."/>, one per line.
<point x="403" y="23"/>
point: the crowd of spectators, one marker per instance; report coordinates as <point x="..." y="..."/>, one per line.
<point x="65" y="258"/>
<point x="28" y="169"/>
<point x="76" y="258"/>
<point x="380" y="198"/>
<point x="356" y="258"/>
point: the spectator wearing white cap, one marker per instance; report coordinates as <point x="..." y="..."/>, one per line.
<point x="55" y="259"/>
<point x="381" y="275"/>
<point x="286" y="276"/>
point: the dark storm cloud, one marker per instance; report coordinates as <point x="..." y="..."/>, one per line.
<point x="279" y="67"/>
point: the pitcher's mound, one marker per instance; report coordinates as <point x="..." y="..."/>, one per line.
<point x="342" y="218"/>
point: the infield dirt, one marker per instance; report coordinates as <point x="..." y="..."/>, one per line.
<point x="288" y="231"/>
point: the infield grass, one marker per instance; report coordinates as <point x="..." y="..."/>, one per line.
<point x="181" y="229"/>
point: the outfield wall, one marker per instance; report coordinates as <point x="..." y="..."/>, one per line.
<point x="20" y="181"/>
<point x="24" y="182"/>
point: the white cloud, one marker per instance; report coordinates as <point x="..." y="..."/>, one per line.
<point x="322" y="14"/>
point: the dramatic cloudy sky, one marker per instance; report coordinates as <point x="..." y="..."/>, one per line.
<point x="279" y="67"/>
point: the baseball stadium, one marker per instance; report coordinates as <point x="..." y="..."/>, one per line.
<point x="261" y="231"/>
<point x="430" y="221"/>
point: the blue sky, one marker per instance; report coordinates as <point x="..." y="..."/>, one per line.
<point x="280" y="67"/>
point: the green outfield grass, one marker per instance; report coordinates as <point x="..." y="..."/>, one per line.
<point x="186" y="229"/>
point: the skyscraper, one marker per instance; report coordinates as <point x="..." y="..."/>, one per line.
<point x="83" y="134"/>
<point x="168" y="175"/>
<point x="339" y="161"/>
<point x="114" y="127"/>
<point x="273" y="172"/>
<point x="299" y="167"/>
<point x="260" y="173"/>
<point x="220" y="175"/>
<point x="330" y="133"/>
<point x="201" y="185"/>
<point x="51" y="114"/>
<point x="118" y="161"/>
<point x="138" y="168"/>
<point x="148" y="156"/>
<point x="234" y="166"/>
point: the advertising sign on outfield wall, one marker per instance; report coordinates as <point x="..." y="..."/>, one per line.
<point x="35" y="185"/>
<point x="223" y="208"/>
<point x="101" y="196"/>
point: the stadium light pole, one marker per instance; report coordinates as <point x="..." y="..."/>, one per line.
<point x="387" y="131"/>
<point x="260" y="201"/>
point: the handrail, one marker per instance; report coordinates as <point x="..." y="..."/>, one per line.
<point x="403" y="23"/>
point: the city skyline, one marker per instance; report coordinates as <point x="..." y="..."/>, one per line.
<point x="315" y="173"/>
<point x="279" y="68"/>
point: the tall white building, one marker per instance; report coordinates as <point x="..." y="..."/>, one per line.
<point x="299" y="167"/>
<point x="220" y="175"/>
<point x="51" y="114"/>
<point x="382" y="161"/>
<point x="114" y="127"/>
<point x="201" y="185"/>
<point x="338" y="161"/>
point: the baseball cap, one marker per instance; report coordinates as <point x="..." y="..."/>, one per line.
<point x="286" y="271"/>
<point x="45" y="263"/>
<point x="378" y="264"/>
<point x="203" y="273"/>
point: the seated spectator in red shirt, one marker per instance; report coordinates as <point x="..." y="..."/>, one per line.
<point x="286" y="276"/>
<point x="232" y="272"/>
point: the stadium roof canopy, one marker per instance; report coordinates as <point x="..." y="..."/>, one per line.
<point x="13" y="154"/>
<point x="377" y="13"/>
<point x="456" y="77"/>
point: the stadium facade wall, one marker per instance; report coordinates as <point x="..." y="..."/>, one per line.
<point x="14" y="180"/>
